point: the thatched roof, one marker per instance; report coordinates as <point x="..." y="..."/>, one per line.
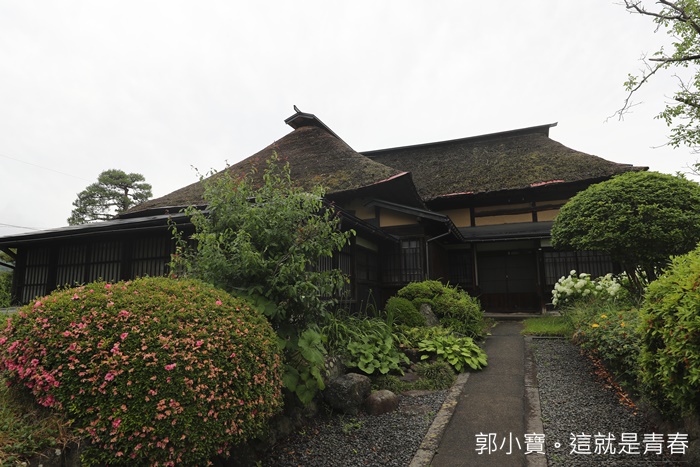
<point x="315" y="156"/>
<point x="500" y="161"/>
<point x="412" y="174"/>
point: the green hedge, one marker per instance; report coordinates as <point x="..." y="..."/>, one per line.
<point x="670" y="358"/>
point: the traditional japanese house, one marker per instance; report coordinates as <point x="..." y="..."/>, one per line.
<point x="474" y="212"/>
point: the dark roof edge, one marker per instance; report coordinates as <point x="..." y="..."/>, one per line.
<point x="553" y="184"/>
<point x="95" y="228"/>
<point x="302" y="119"/>
<point x="501" y="134"/>
<point x="425" y="214"/>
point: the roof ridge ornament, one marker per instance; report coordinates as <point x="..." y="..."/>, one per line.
<point x="301" y="119"/>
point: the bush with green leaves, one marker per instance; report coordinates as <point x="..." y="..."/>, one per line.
<point x="403" y="311"/>
<point x="5" y="289"/>
<point x="439" y="375"/>
<point x="366" y="344"/>
<point x="154" y="371"/>
<point x="611" y="333"/>
<point x="432" y="376"/>
<point x="378" y="353"/>
<point x="460" y="352"/>
<point x="409" y="338"/>
<point x="640" y="219"/>
<point x="670" y="357"/>
<point x="455" y="308"/>
<point x="575" y="287"/>
<point x="264" y="237"/>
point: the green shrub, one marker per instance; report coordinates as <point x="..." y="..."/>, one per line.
<point x="670" y="357"/>
<point x="403" y="311"/>
<point x="408" y="337"/>
<point x="433" y="376"/>
<point x="154" y="371"/>
<point x="439" y="375"/>
<point x="371" y="353"/>
<point x="453" y="307"/>
<point x="422" y="291"/>
<point x="612" y="334"/>
<point x="459" y="352"/>
<point x="367" y="344"/>
<point x="338" y="331"/>
<point x="5" y="289"/>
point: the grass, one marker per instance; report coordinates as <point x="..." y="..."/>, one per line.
<point x="555" y="326"/>
<point x="27" y="429"/>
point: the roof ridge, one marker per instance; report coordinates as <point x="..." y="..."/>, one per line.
<point x="538" y="129"/>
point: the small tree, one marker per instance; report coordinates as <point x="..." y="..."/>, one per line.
<point x="263" y="237"/>
<point x="639" y="218"/>
<point x="115" y="191"/>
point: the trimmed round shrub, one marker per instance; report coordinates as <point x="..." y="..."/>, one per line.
<point x="438" y="375"/>
<point x="422" y="292"/>
<point x="154" y="371"/>
<point x="404" y="312"/>
<point x="455" y="308"/>
<point x="670" y="357"/>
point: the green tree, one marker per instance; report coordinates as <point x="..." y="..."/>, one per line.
<point x="266" y="239"/>
<point x="640" y="218"/>
<point x="681" y="21"/>
<point x="115" y="191"/>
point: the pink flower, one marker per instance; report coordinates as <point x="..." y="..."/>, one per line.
<point x="218" y="302"/>
<point x="199" y="343"/>
<point x="108" y="286"/>
<point x="123" y="335"/>
<point x="170" y="367"/>
<point x="116" y="423"/>
<point x="37" y="304"/>
<point x="75" y="297"/>
<point x="109" y="376"/>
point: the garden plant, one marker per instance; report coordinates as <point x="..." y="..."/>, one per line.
<point x="154" y="371"/>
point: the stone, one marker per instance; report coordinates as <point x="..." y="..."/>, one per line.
<point x="346" y="393"/>
<point x="380" y="402"/>
<point x="409" y="377"/>
<point x="333" y="367"/>
<point x="430" y="318"/>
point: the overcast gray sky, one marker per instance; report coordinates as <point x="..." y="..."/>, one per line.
<point x="160" y="87"/>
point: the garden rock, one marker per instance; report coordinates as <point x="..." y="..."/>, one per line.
<point x="346" y="393"/>
<point x="380" y="402"/>
<point x="334" y="367"/>
<point x="430" y="318"/>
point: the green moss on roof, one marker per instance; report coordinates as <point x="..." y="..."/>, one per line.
<point x="315" y="158"/>
<point x="486" y="165"/>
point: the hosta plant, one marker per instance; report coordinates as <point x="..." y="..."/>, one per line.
<point x="460" y="352"/>
<point x="153" y="371"/>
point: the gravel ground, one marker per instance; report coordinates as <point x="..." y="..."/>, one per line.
<point x="361" y="440"/>
<point x="574" y="402"/>
<point x="579" y="411"/>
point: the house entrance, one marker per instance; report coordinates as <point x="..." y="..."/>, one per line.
<point x="508" y="281"/>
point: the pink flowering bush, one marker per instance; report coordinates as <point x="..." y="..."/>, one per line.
<point x="154" y="371"/>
